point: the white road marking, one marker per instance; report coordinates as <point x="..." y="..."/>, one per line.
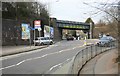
<point x="7" y="67"/>
<point x="59" y="65"/>
<point x="37" y="58"/>
<point x="44" y="55"/>
<point x="55" y="66"/>
<point x="20" y="62"/>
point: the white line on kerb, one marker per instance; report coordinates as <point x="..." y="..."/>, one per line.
<point x="38" y="58"/>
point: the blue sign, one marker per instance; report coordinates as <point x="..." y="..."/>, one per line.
<point x="31" y="28"/>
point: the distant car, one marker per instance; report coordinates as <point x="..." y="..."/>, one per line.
<point x="70" y="38"/>
<point x="111" y="38"/>
<point x="43" y="41"/>
<point x="106" y="41"/>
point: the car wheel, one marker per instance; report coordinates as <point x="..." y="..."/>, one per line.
<point x="98" y="44"/>
<point x="42" y="44"/>
<point x="51" y="43"/>
<point x="106" y="45"/>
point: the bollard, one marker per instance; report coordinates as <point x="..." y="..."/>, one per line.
<point x="85" y="42"/>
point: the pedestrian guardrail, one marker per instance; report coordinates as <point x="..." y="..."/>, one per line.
<point x="86" y="54"/>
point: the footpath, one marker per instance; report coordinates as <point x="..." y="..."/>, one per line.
<point x="11" y="50"/>
<point x="102" y="64"/>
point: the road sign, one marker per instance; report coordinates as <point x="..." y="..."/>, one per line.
<point x="37" y="24"/>
<point x="31" y="28"/>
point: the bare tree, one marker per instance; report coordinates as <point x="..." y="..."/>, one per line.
<point x="112" y="22"/>
<point x="113" y="19"/>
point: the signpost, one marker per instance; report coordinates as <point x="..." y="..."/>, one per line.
<point x="39" y="29"/>
<point x="37" y="25"/>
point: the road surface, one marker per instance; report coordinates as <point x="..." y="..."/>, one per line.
<point x="43" y="60"/>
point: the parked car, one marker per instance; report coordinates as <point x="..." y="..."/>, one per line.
<point x="106" y="41"/>
<point x="43" y="41"/>
<point x="111" y="38"/>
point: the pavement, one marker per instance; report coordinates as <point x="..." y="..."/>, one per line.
<point x="18" y="49"/>
<point x="102" y="64"/>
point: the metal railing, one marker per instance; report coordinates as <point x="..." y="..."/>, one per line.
<point x="86" y="54"/>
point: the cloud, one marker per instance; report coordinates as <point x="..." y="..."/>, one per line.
<point x="75" y="10"/>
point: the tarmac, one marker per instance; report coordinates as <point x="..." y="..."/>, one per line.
<point x="104" y="63"/>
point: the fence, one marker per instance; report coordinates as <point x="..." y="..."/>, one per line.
<point x="83" y="56"/>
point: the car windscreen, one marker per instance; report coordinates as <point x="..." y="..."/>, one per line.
<point x="47" y="38"/>
<point x="36" y="38"/>
<point x="104" y="38"/>
<point x="43" y="39"/>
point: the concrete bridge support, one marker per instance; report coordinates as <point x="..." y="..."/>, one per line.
<point x="57" y="31"/>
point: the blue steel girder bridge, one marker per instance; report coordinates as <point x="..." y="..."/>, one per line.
<point x="70" y="25"/>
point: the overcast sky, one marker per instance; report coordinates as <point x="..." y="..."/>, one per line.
<point x="76" y="10"/>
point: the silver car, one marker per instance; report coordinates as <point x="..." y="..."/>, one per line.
<point x="43" y="41"/>
<point x="104" y="41"/>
